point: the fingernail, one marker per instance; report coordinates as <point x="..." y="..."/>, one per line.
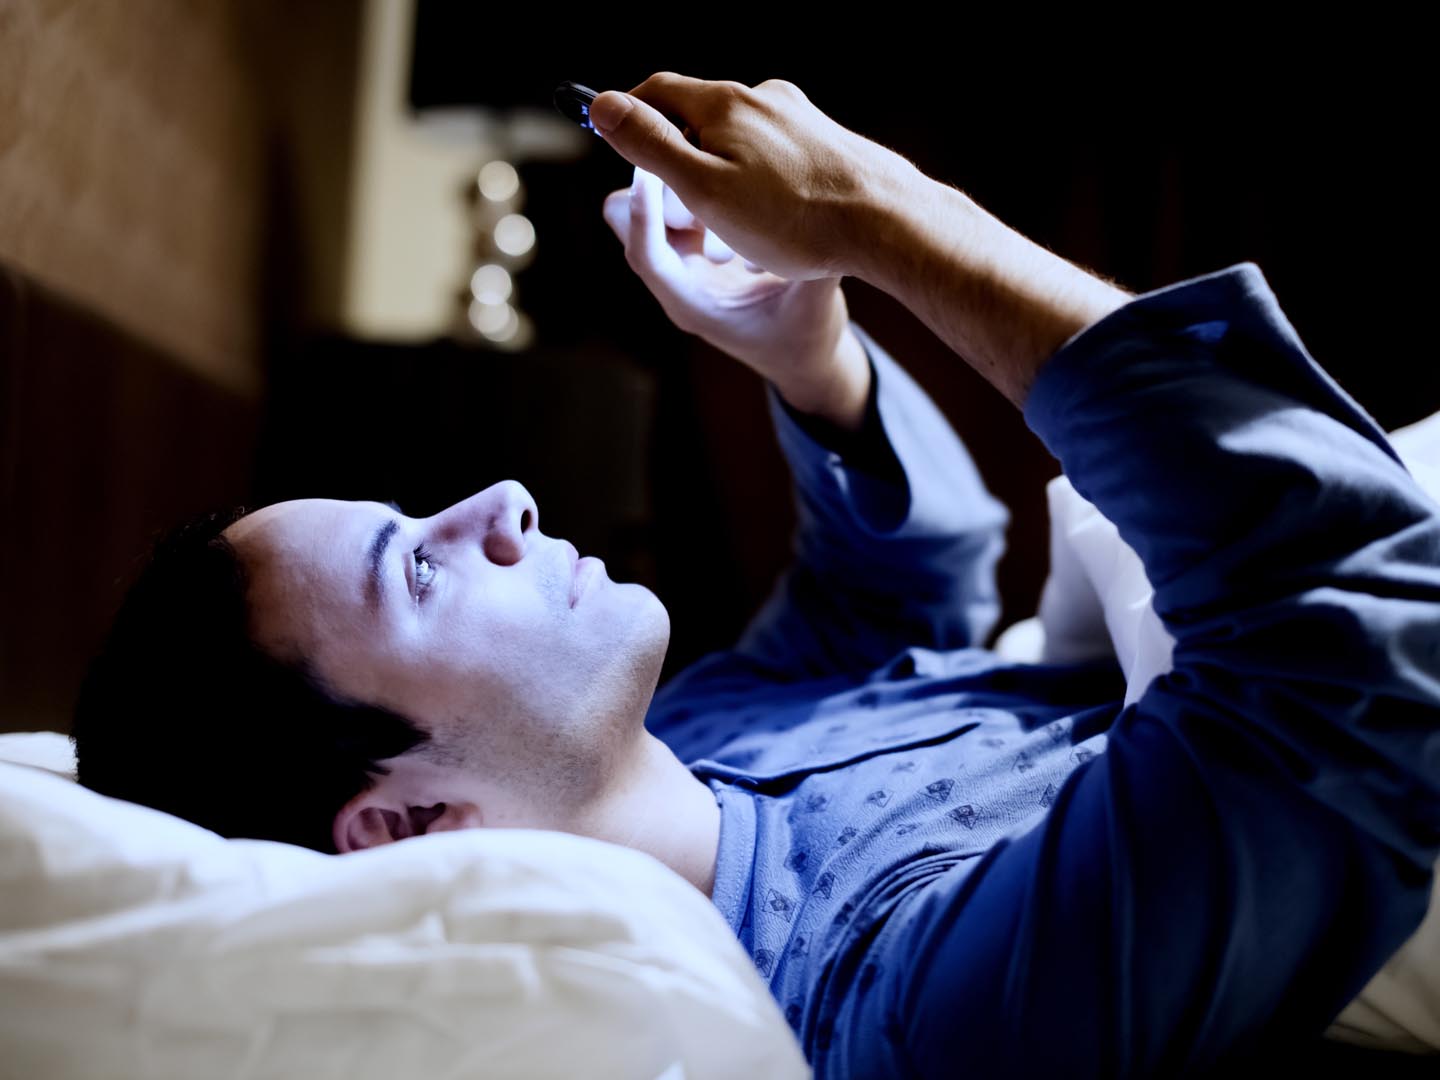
<point x="607" y="110"/>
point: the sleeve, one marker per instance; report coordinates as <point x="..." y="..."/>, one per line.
<point x="1258" y="837"/>
<point x="896" y="538"/>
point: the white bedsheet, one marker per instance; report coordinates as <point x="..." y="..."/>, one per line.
<point x="134" y="944"/>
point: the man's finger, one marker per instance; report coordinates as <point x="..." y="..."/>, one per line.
<point x="616" y="213"/>
<point x="677" y="214"/>
<point x="648" y="248"/>
<point x="716" y="250"/>
<point x="647" y="217"/>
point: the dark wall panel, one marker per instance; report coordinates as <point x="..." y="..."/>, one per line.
<point x="105" y="442"/>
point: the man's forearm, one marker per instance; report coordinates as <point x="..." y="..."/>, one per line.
<point x="998" y="299"/>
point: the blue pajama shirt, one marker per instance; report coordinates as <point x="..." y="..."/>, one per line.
<point x="946" y="864"/>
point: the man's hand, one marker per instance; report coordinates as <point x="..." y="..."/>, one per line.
<point x="783" y="184"/>
<point x="793" y="191"/>
<point x="793" y="333"/>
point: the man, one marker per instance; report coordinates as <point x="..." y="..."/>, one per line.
<point x="940" y="862"/>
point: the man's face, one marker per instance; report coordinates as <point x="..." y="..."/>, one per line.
<point x="527" y="670"/>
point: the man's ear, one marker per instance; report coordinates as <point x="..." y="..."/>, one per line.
<point x="388" y="812"/>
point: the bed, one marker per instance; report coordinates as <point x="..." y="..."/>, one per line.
<point x="133" y="944"/>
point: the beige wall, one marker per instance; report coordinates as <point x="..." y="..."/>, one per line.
<point x="131" y="170"/>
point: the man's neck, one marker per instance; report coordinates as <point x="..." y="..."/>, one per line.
<point x="660" y="808"/>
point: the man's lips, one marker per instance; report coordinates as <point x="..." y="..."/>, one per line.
<point x="586" y="571"/>
<point x="582" y="572"/>
<point x="574" y="565"/>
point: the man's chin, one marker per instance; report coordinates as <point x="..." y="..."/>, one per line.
<point x="624" y="613"/>
<point x="639" y="598"/>
<point x="651" y="636"/>
<point x="657" y="619"/>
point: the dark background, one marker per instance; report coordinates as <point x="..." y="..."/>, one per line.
<point x="1148" y="154"/>
<point x="1147" y="161"/>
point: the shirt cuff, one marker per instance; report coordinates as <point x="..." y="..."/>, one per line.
<point x="1098" y="364"/>
<point x="877" y="479"/>
<point x="866" y="449"/>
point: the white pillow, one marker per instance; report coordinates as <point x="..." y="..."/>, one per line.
<point x="134" y="944"/>
<point x="1097" y="600"/>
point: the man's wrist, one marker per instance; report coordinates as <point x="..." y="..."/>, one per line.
<point x="864" y="450"/>
<point x="879" y="236"/>
<point x="839" y="392"/>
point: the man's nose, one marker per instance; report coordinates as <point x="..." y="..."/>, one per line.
<point x="505" y="518"/>
<point x="514" y="519"/>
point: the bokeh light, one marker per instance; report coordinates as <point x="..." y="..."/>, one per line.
<point x="514" y="235"/>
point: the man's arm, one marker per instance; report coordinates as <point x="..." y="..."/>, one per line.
<point x="896" y="537"/>
<point x="838" y="404"/>
<point x="895" y="545"/>
<point x="1002" y="302"/>
<point x="1259" y="836"/>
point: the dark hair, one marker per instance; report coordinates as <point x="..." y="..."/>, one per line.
<point x="184" y="712"/>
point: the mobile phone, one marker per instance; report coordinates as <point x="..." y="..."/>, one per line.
<point x="573" y="101"/>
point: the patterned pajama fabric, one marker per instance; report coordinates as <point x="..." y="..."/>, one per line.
<point x="945" y="864"/>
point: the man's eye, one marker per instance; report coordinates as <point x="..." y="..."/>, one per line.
<point x="424" y="570"/>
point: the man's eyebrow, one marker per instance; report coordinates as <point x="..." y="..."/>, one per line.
<point x="375" y="558"/>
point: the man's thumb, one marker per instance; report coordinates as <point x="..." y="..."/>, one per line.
<point x="609" y="109"/>
<point x="644" y="137"/>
